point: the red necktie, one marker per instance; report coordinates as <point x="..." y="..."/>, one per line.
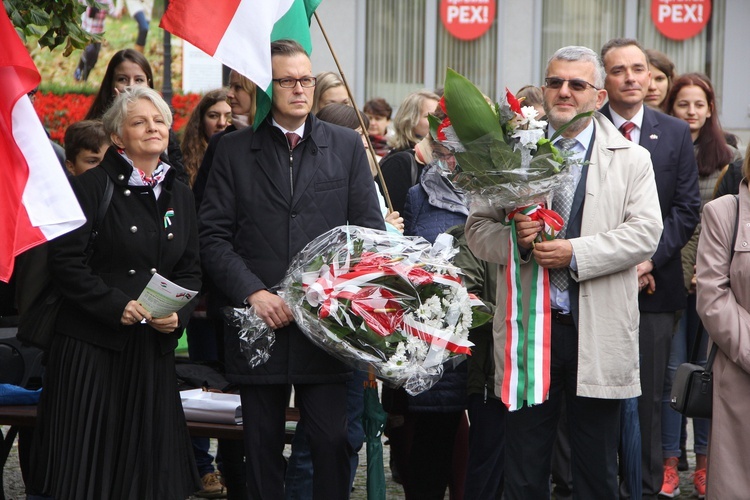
<point x="293" y="139"/>
<point x="626" y="128"/>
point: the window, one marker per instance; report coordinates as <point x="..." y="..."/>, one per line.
<point x="395" y="56"/>
<point x="589" y="23"/>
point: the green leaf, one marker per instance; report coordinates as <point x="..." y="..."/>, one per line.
<point x="471" y="115"/>
<point x="479" y="317"/>
<point x="577" y="117"/>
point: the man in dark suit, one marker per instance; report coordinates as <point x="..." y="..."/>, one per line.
<point x="662" y="292"/>
<point x="267" y="196"/>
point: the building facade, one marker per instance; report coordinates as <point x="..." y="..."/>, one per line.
<point x="388" y="48"/>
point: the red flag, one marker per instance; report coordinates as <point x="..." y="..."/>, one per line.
<point x="36" y="200"/>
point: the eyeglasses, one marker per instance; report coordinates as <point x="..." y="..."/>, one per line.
<point x="575" y="84"/>
<point x="290" y="83"/>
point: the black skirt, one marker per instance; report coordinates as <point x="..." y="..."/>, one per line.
<point x="111" y="424"/>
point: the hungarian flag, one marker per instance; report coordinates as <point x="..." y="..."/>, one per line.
<point x="36" y="201"/>
<point x="239" y="34"/>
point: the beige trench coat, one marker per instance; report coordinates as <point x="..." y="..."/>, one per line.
<point x="725" y="312"/>
<point x="620" y="228"/>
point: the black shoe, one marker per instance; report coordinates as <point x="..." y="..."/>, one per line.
<point x="682" y="463"/>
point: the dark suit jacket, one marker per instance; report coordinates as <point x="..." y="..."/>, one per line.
<point x="668" y="140"/>
<point x="132" y="241"/>
<point x="253" y="221"/>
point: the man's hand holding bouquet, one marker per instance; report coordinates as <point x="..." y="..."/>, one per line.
<point x="505" y="161"/>
<point x="391" y="304"/>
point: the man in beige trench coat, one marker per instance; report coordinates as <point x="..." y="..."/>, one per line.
<point x="614" y="224"/>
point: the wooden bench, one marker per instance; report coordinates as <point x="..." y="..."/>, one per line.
<point x="18" y="417"/>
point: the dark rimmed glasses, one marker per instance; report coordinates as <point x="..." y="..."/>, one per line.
<point x="574" y="84"/>
<point x="289" y="83"/>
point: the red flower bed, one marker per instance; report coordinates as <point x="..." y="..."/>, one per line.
<point x="59" y="111"/>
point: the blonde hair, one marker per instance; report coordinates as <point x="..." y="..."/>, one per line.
<point x="323" y="83"/>
<point x="249" y="87"/>
<point x="407" y="118"/>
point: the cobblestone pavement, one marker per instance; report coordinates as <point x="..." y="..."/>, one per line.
<point x="14" y="485"/>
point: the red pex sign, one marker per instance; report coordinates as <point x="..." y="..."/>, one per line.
<point x="680" y="19"/>
<point x="467" y="19"/>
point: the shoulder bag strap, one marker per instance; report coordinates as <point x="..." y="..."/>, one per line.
<point x="100" y="213"/>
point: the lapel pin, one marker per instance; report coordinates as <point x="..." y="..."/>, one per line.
<point x="653" y="137"/>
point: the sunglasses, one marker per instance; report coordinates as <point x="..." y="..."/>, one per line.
<point x="575" y="84"/>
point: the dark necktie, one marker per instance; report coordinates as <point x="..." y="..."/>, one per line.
<point x="293" y="139"/>
<point x="626" y="128"/>
<point x="562" y="202"/>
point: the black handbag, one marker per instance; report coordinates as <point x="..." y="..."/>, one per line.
<point x="39" y="299"/>
<point x="692" y="387"/>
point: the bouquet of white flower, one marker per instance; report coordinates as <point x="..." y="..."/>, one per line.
<point x="392" y="304"/>
<point x="503" y="156"/>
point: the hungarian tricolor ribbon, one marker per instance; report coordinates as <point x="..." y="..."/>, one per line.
<point x="526" y="376"/>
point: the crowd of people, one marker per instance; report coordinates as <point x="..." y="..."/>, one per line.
<point x="225" y="209"/>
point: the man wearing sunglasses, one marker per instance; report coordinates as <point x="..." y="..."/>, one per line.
<point x="612" y="223"/>
<point x="660" y="282"/>
<point x="270" y="192"/>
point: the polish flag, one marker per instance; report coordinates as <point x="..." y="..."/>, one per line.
<point x="37" y="203"/>
<point x="238" y="33"/>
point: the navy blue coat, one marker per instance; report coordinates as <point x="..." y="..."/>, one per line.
<point x="432" y="207"/>
<point x="668" y="140"/>
<point x="253" y="221"/>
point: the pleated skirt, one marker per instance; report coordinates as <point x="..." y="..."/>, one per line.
<point x="111" y="424"/>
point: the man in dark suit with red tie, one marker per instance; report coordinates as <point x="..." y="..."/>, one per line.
<point x="271" y="191"/>
<point x="660" y="282"/>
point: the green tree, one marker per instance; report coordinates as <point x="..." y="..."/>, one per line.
<point x="53" y="22"/>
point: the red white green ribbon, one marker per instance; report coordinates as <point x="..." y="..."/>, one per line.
<point x="526" y="376"/>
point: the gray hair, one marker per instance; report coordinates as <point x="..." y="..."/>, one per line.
<point x="579" y="53"/>
<point x="115" y="116"/>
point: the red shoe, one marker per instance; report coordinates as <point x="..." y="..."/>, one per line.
<point x="671" y="486"/>
<point x="699" y="481"/>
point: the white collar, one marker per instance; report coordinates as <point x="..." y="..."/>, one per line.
<point x="300" y="131"/>
<point x="618" y="120"/>
<point x="583" y="137"/>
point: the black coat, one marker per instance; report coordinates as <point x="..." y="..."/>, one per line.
<point x="132" y="243"/>
<point x="251" y="226"/>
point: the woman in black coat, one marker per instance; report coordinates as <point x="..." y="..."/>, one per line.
<point x="110" y="419"/>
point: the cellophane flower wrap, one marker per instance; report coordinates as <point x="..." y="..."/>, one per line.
<point x="503" y="156"/>
<point x="505" y="160"/>
<point x="377" y="301"/>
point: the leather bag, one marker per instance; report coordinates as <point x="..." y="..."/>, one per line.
<point x="692" y="387"/>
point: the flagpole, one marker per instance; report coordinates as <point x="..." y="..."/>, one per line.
<point x="371" y="149"/>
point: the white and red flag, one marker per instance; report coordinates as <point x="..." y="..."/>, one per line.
<point x="238" y="33"/>
<point x="37" y="203"/>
